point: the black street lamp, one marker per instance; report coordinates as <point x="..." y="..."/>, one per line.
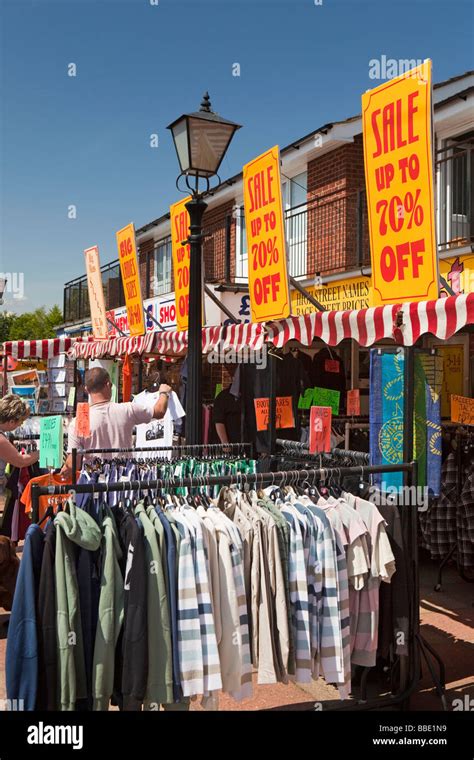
<point x="201" y="140"/>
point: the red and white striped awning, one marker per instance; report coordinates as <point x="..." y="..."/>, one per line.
<point x="442" y="318"/>
<point x="171" y="342"/>
<point x="404" y="323"/>
<point x="37" y="349"/>
<point x="235" y="336"/>
<point x="96" y="349"/>
<point x="366" y="326"/>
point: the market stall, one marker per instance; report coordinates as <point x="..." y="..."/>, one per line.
<point x="41" y="372"/>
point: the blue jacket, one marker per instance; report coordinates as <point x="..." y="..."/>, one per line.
<point x="22" y="644"/>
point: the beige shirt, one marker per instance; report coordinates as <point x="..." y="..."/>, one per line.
<point x="111" y="426"/>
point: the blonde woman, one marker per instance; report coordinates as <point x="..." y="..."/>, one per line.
<point x="14" y="411"/>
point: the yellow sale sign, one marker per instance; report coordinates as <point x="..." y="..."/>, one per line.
<point x="127" y="251"/>
<point x="397" y="130"/>
<point x="181" y="260"/>
<point x="96" y="293"/>
<point x="266" y="245"/>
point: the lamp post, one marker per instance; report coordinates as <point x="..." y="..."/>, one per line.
<point x="201" y="140"/>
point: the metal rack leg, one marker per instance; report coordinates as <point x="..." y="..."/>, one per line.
<point x="444" y="561"/>
<point x="363" y="684"/>
<point x="434" y="653"/>
<point x="438" y="683"/>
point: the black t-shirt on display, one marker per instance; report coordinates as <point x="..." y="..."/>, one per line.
<point x="228" y="411"/>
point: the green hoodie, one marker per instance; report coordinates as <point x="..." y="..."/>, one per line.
<point x="110" y="617"/>
<point x="73" y="526"/>
<point x="160" y="677"/>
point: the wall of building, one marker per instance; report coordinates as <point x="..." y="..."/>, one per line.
<point x="336" y="185"/>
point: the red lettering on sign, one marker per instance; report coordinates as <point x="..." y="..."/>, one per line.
<point x="389" y="123"/>
<point x="405" y="256"/>
<point x="126" y="246"/>
<point x="260" y="189"/>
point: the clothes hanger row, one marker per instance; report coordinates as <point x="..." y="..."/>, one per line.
<point x="97" y="462"/>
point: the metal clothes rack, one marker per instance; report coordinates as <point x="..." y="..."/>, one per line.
<point x="409" y="664"/>
<point x="28" y="437"/>
<point x="297" y="447"/>
<point x="420" y="646"/>
<point x="243" y="449"/>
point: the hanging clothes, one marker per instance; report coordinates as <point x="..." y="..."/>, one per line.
<point x="47" y="695"/>
<point x="173" y="595"/>
<point x="21" y="662"/>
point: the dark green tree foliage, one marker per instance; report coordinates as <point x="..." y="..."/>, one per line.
<point x="32" y="325"/>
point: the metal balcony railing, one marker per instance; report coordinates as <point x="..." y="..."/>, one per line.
<point x="455" y="174"/>
<point x="328" y="234"/>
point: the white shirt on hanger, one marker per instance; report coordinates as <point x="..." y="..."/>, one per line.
<point x="157" y="432"/>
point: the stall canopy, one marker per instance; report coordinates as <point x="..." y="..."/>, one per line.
<point x="88" y="348"/>
<point x="37" y="349"/>
<point x="171" y="342"/>
<point x="404" y="323"/>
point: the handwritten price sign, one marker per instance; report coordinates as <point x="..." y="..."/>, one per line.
<point x="462" y="410"/>
<point x="284" y="412"/>
<point x="96" y="293"/>
<point x="179" y="233"/>
<point x="130" y="272"/>
<point x="268" y="277"/>
<point x="396" y="118"/>
<point x="320" y="429"/>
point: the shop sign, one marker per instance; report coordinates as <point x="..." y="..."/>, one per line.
<point x="162" y="309"/>
<point x="129" y="269"/>
<point x="179" y="218"/>
<point x="462" y="410"/>
<point x="398" y="157"/>
<point x="239" y="306"/>
<point x="284" y="412"/>
<point x="96" y="293"/>
<point x="458" y="273"/>
<point x="266" y="243"/>
<point x="342" y="295"/>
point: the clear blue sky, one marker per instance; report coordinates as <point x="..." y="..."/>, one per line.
<point x="84" y="140"/>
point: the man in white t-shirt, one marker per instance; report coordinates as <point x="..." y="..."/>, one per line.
<point x="159" y="432"/>
<point x="112" y="424"/>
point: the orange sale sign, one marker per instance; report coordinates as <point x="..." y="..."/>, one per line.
<point x="130" y="272"/>
<point x="181" y="260"/>
<point x="83" y="425"/>
<point x="397" y="131"/>
<point x="353" y="402"/>
<point x="266" y="245"/>
<point x="284" y="412"/>
<point x="462" y="410"/>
